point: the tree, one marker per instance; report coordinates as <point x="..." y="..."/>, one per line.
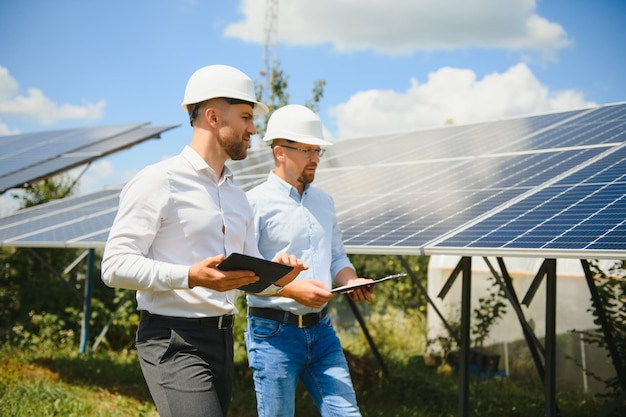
<point x="404" y="293"/>
<point x="275" y="94"/>
<point x="52" y="188"/>
<point x="30" y="278"/>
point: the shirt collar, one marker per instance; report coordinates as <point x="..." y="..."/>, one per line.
<point x="200" y="164"/>
<point x="283" y="185"/>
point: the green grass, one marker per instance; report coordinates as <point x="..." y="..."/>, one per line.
<point x="110" y="384"/>
<point x="68" y="384"/>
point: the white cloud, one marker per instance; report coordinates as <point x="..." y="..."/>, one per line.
<point x="8" y="204"/>
<point x="6" y="130"/>
<point x="100" y="174"/>
<point x="404" y="26"/>
<point x="102" y="168"/>
<point x="451" y="95"/>
<point x="36" y="106"/>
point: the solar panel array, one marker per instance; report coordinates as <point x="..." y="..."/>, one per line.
<point x="549" y="185"/>
<point x="74" y="222"/>
<point x="583" y="212"/>
<point x="29" y="157"/>
<point x="416" y="192"/>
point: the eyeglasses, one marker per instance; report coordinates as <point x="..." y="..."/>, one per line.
<point x="307" y="152"/>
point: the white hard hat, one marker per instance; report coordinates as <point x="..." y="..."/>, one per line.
<point x="297" y="123"/>
<point x="221" y="81"/>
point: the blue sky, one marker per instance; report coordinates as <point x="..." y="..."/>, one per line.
<point x="392" y="65"/>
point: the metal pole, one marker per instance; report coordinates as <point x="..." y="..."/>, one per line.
<point x="534" y="345"/>
<point x="464" y="376"/>
<point x="550" y="360"/>
<point x="430" y="301"/>
<point x="84" y="337"/>
<point x="583" y="361"/>
<point x="359" y="317"/>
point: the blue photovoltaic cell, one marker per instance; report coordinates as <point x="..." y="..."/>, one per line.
<point x="33" y="148"/>
<point x="59" y="222"/>
<point x="586" y="214"/>
<point x="548" y="183"/>
<point x="97" y="222"/>
<point x="429" y="200"/>
<point x="30" y="157"/>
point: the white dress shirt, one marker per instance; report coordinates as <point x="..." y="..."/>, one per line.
<point x="173" y="214"/>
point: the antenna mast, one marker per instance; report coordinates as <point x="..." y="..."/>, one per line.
<point x="269" y="47"/>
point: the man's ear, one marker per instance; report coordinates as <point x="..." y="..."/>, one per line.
<point x="279" y="152"/>
<point x="211" y="117"/>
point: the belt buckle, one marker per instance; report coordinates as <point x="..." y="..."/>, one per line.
<point x="220" y="323"/>
<point x="300" y="324"/>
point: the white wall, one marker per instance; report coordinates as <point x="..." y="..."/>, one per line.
<point x="572" y="308"/>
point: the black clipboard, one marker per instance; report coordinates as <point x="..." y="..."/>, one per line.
<point x="268" y="271"/>
<point x="347" y="288"/>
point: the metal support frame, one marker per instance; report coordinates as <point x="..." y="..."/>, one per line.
<point x="547" y="270"/>
<point x="547" y="371"/>
<point x="534" y="345"/>
<point x="357" y="314"/>
<point x="549" y="384"/>
<point x="424" y="290"/>
<point x="548" y="375"/>
<point x="105" y="329"/>
<point x="84" y="337"/>
<point x="464" y="371"/>
<point x="84" y="334"/>
<point x="465" y="267"/>
<point x="607" y="330"/>
<point x="359" y="317"/>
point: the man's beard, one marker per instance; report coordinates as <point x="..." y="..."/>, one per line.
<point x="235" y="147"/>
<point x="306" y="177"/>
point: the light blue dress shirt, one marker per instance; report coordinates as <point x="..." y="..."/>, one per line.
<point x="303" y="226"/>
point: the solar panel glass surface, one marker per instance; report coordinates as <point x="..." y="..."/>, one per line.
<point x="546" y="183"/>
<point x="30" y="157"/>
<point x="585" y="211"/>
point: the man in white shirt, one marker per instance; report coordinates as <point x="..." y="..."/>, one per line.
<point x="177" y="220"/>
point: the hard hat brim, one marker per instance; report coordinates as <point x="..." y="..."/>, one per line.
<point x="296" y="137"/>
<point x="259" y="109"/>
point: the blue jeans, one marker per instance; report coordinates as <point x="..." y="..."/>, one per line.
<point x="280" y="354"/>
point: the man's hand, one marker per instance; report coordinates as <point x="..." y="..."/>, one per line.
<point x="205" y="274"/>
<point x="362" y="293"/>
<point x="291" y="260"/>
<point x="308" y="292"/>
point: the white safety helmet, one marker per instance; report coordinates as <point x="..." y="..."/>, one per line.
<point x="297" y="123"/>
<point x="221" y="81"/>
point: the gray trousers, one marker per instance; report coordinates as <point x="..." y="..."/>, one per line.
<point x="187" y="365"/>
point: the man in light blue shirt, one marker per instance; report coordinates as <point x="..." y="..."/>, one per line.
<point x="291" y="338"/>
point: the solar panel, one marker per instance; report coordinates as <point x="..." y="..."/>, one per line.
<point x="581" y="216"/>
<point x="544" y="185"/>
<point x="80" y="222"/>
<point x="442" y="179"/>
<point x="25" y="158"/>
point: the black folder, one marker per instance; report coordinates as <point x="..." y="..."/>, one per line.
<point x="268" y="271"/>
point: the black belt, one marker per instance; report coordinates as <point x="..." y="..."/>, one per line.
<point x="305" y="320"/>
<point x="217" y="322"/>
